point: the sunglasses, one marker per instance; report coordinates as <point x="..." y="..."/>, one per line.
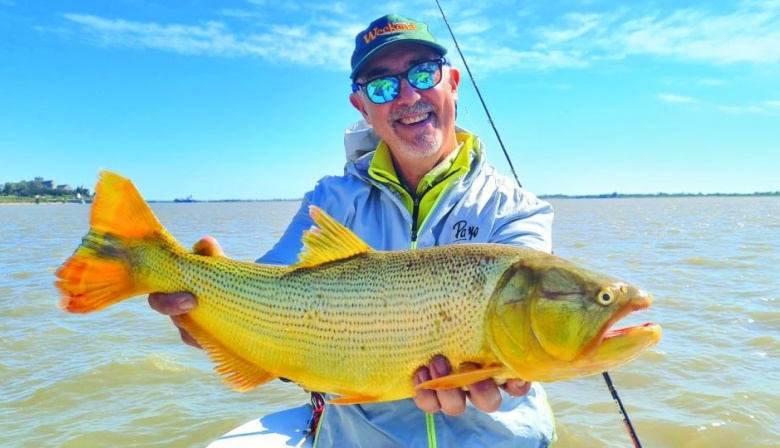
<point x="384" y="89"/>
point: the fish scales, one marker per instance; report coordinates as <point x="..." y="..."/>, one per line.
<point x="335" y="319"/>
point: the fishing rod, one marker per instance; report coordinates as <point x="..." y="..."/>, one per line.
<point x="479" y="94"/>
<point x="607" y="379"/>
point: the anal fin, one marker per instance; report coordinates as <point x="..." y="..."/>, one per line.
<point x="241" y="375"/>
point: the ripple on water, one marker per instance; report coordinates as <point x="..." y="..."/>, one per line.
<point x="122" y="377"/>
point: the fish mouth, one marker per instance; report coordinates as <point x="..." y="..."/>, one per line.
<point x="617" y="346"/>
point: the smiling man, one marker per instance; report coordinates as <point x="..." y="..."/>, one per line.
<point x="413" y="179"/>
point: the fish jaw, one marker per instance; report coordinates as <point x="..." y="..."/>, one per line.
<point x="620" y="346"/>
<point x="627" y="338"/>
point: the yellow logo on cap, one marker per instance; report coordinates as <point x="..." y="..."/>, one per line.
<point x="389" y="28"/>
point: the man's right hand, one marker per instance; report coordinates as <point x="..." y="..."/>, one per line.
<point x="178" y="303"/>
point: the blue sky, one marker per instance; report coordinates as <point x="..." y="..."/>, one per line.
<point x="247" y="99"/>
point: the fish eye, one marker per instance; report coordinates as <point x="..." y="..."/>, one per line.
<point x="604" y="297"/>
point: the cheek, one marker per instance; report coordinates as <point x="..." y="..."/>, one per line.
<point x="376" y="115"/>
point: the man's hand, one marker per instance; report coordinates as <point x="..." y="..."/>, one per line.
<point x="178" y="303"/>
<point x="484" y="394"/>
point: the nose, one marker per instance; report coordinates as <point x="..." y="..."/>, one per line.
<point x="407" y="94"/>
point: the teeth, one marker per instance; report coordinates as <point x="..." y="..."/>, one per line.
<point x="416" y="119"/>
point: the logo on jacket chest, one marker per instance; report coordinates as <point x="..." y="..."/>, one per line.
<point x="462" y="231"/>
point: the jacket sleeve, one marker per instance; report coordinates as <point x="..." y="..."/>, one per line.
<point x="524" y="220"/>
<point x="333" y="194"/>
<point x="285" y="251"/>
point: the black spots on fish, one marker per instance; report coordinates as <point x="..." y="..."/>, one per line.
<point x="312" y="315"/>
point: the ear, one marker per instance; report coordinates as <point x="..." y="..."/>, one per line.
<point x="357" y="103"/>
<point x="454" y="82"/>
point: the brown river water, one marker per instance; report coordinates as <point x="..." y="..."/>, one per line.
<point x="122" y="377"/>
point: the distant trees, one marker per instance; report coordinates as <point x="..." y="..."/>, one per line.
<point x="40" y="187"/>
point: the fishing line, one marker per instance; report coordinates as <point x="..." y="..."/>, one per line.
<point x="607" y="379"/>
<point x="479" y="94"/>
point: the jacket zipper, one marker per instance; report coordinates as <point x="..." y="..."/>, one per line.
<point x="416" y="206"/>
<point x="415" y="217"/>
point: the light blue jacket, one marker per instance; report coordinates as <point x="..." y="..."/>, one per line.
<point x="482" y="206"/>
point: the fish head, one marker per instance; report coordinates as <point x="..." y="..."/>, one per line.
<point x="552" y="319"/>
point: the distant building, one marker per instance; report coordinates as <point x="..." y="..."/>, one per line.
<point x="50" y="184"/>
<point x="66" y="188"/>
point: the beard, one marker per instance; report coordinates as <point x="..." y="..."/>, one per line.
<point x="425" y="142"/>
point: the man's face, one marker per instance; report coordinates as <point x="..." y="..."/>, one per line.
<point x="418" y="123"/>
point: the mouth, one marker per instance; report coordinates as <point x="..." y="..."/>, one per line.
<point x="620" y="345"/>
<point x="416" y="120"/>
<point x="624" y="344"/>
<point x="632" y="338"/>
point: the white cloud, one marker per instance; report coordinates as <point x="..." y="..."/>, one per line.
<point x="575" y="26"/>
<point x="672" y="98"/>
<point x="243" y="14"/>
<point x="496" y="36"/>
<point x="751" y="33"/>
<point x="716" y="34"/>
<point x="741" y="110"/>
<point x="471" y="27"/>
<point x="767" y="107"/>
<point x="299" y="44"/>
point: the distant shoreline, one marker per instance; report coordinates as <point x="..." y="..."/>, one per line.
<point x="657" y="195"/>
<point x="16" y="200"/>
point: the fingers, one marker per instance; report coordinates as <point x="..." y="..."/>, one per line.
<point x="179" y="303"/>
<point x="208" y="246"/>
<point x="425" y="399"/>
<point x="185" y="336"/>
<point x="516" y="387"/>
<point x="172" y="304"/>
<point x="452" y="401"/>
<point x="484" y="394"/>
<point x="449" y="401"/>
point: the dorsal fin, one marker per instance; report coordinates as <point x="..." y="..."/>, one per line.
<point x="329" y="241"/>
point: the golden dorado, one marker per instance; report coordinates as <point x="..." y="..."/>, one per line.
<point x="356" y="322"/>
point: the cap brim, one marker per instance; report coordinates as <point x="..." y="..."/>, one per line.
<point x="372" y="53"/>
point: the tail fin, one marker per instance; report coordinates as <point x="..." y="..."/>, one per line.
<point x="100" y="272"/>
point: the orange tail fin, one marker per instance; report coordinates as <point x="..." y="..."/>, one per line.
<point x="100" y="272"/>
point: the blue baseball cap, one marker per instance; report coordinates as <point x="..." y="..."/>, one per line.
<point x="388" y="30"/>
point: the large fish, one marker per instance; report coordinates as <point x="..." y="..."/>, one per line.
<point x="356" y="322"/>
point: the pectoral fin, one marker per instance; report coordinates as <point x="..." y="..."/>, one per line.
<point x="463" y="379"/>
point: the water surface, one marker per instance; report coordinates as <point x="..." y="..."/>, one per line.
<point x="123" y="378"/>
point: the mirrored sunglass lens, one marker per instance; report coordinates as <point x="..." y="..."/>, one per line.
<point x="382" y="90"/>
<point x="425" y="75"/>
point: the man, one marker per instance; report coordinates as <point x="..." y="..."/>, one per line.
<point x="415" y="180"/>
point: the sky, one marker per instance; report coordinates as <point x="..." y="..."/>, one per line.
<point x="248" y="99"/>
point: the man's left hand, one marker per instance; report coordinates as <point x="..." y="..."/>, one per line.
<point x="484" y="394"/>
